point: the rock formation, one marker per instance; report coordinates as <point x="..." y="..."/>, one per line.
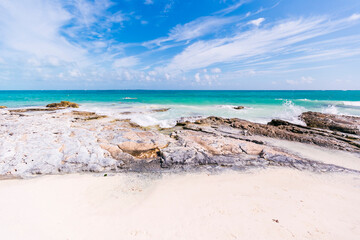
<point x="340" y="123"/>
<point x="67" y="142"/>
<point x="63" y="104"/>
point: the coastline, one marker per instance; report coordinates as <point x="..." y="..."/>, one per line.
<point x="60" y="139"/>
<point x="91" y="176"/>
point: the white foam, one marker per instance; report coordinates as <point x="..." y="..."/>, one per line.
<point x="351" y="103"/>
<point x="290" y="112"/>
<point x="331" y="109"/>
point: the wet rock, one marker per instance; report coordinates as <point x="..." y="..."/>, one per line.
<point x="239" y="107"/>
<point x="63" y="104"/>
<point x="160" y="110"/>
<point x="35" y="110"/>
<point x="341" y="123"/>
<point x="87" y="116"/>
<point x="2" y="107"/>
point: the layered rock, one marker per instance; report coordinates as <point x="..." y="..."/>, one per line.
<point x="66" y="142"/>
<point x="341" y="123"/>
<point x="287" y="131"/>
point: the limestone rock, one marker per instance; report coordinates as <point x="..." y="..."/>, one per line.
<point x="2" y="107"/>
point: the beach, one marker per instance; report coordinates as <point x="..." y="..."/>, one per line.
<point x="70" y="173"/>
<point x="258" y="204"/>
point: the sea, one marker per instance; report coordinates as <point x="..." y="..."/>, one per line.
<point x="139" y="105"/>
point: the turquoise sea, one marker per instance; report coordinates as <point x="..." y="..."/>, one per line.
<point x="261" y="106"/>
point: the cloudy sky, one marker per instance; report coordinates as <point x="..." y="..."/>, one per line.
<point x="178" y="44"/>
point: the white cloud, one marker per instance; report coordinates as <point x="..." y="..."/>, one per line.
<point x="216" y="70"/>
<point x="148" y="2"/>
<point x="33" y="27"/>
<point x="232" y="8"/>
<point x="354" y="17"/>
<point x="257" y="22"/>
<point x="197" y="77"/>
<point x="126" y="62"/>
<point x="303" y="80"/>
<point x="194" y="29"/>
<point x="307" y="80"/>
<point x="257" y="45"/>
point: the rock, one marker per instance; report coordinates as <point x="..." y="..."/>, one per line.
<point x="2" y="107"/>
<point x="87" y="116"/>
<point x="341" y="123"/>
<point x="65" y="104"/>
<point x="287" y="131"/>
<point x="83" y="113"/>
<point x="116" y="152"/>
<point x="239" y="107"/>
<point x="161" y="110"/>
<point x="35" y="110"/>
<point x="140" y="150"/>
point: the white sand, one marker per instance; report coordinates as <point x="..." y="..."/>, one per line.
<point x="320" y="154"/>
<point x="230" y="205"/>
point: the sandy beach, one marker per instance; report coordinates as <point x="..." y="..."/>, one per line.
<point x="258" y="204"/>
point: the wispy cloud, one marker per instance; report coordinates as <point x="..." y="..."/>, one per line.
<point x="257" y="22"/>
<point x="148" y="2"/>
<point x="233" y="7"/>
<point x="278" y="40"/>
<point x="194" y="29"/>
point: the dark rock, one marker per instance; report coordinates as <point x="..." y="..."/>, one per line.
<point x="64" y="104"/>
<point x="341" y="123"/>
<point x="35" y="110"/>
<point x="161" y="110"/>
<point x="288" y="131"/>
<point x="239" y="107"/>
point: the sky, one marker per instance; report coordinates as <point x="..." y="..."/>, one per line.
<point x="180" y="44"/>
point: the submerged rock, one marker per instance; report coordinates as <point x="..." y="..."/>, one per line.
<point x="64" y="104"/>
<point x="35" y="110"/>
<point x="160" y="110"/>
<point x="341" y="123"/>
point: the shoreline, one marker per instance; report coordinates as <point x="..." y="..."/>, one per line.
<point x="68" y="140"/>
<point x="72" y="174"/>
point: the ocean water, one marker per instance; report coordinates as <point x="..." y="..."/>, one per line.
<point x="137" y="105"/>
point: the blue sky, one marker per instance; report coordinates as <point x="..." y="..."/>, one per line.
<point x="178" y="44"/>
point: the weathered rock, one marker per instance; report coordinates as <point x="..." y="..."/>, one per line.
<point x="66" y="145"/>
<point x="64" y="104"/>
<point x="140" y="150"/>
<point x="341" y="123"/>
<point x="239" y="107"/>
<point x="116" y="152"/>
<point x="2" y="107"/>
<point x="287" y="131"/>
<point x="87" y="116"/>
